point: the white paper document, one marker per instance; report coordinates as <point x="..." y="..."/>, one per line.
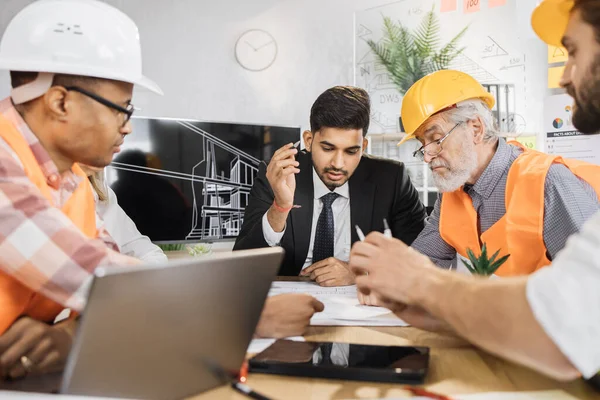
<point x="341" y="305"/>
<point x="541" y="395"/>
<point x="258" y="345"/>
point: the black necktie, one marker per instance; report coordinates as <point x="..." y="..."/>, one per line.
<point x="324" y="236"/>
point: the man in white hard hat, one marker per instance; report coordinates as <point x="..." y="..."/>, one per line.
<point x="73" y="66"/>
<point x="550" y="320"/>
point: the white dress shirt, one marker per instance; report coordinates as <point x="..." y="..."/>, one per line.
<point x="110" y="216"/>
<point x="341" y="222"/>
<point x="565" y="298"/>
<point x="122" y="229"/>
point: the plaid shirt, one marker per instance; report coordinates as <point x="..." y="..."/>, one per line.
<point x="568" y="203"/>
<point x="39" y="245"/>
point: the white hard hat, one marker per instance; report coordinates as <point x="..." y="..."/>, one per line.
<point x="75" y="37"/>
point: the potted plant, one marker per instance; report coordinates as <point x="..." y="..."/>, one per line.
<point x="409" y="56"/>
<point x="483" y="265"/>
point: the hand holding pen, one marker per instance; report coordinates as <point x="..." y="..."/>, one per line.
<point x="281" y="173"/>
<point x="387" y="232"/>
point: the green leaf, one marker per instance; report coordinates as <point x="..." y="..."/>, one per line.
<point x="469" y="267"/>
<point x="494" y="267"/>
<point x="493" y="257"/>
<point x="472" y="257"/>
<point x="450" y="51"/>
<point x="427" y="37"/>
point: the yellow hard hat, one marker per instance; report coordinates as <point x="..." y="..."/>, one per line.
<point x="549" y="20"/>
<point x="436" y="92"/>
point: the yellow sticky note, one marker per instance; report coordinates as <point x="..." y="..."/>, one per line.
<point x="528" y="141"/>
<point x="554" y="75"/>
<point x="557" y="54"/>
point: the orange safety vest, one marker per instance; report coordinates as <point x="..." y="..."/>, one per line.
<point x="520" y="231"/>
<point x="17" y="299"/>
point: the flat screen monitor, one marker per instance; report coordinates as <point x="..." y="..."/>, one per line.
<point x="189" y="181"/>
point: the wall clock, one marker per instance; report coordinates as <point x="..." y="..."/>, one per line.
<point x="256" y="50"/>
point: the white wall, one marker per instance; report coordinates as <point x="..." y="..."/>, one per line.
<point x="188" y="48"/>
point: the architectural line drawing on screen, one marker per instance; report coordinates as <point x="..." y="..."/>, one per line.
<point x="220" y="203"/>
<point x="222" y="215"/>
<point x="189" y="180"/>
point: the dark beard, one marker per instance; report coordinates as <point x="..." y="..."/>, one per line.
<point x="330" y="185"/>
<point x="586" y="113"/>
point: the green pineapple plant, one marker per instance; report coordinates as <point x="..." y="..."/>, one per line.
<point x="483" y="265"/>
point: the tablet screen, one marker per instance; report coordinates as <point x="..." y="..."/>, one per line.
<point x="304" y="358"/>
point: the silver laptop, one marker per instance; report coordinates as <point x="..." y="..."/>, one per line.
<point x="169" y="331"/>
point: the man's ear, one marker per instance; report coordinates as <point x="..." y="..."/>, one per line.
<point x="58" y="102"/>
<point x="365" y="144"/>
<point x="307" y="136"/>
<point x="478" y="129"/>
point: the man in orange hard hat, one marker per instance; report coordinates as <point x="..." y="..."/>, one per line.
<point x="549" y="320"/>
<point x="520" y="203"/>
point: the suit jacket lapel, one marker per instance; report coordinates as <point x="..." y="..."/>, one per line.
<point x="302" y="217"/>
<point x="362" y="197"/>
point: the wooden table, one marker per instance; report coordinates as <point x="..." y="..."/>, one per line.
<point x="456" y="367"/>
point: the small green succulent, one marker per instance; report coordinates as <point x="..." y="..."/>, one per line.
<point x="483" y="265"/>
<point x="199" y="249"/>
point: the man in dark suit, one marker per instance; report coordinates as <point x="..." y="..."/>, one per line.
<point x="309" y="202"/>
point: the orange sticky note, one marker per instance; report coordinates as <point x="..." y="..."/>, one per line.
<point x="471" y="6"/>
<point x="449" y="5"/>
<point x="554" y="75"/>
<point x="496" y="3"/>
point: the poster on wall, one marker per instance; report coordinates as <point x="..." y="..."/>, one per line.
<point x="561" y="136"/>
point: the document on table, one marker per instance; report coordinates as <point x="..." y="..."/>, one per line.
<point x="541" y="395"/>
<point x="258" y="345"/>
<point x="341" y="305"/>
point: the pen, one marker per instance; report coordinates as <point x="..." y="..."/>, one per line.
<point x="296" y="146"/>
<point x="245" y="389"/>
<point x="243" y="375"/>
<point x="425" y="393"/>
<point x="387" y="232"/>
<point x="361" y="235"/>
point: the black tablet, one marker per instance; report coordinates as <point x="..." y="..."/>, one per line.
<point x="396" y="364"/>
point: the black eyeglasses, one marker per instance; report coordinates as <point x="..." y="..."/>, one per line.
<point x="126" y="111"/>
<point x="434" y="148"/>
